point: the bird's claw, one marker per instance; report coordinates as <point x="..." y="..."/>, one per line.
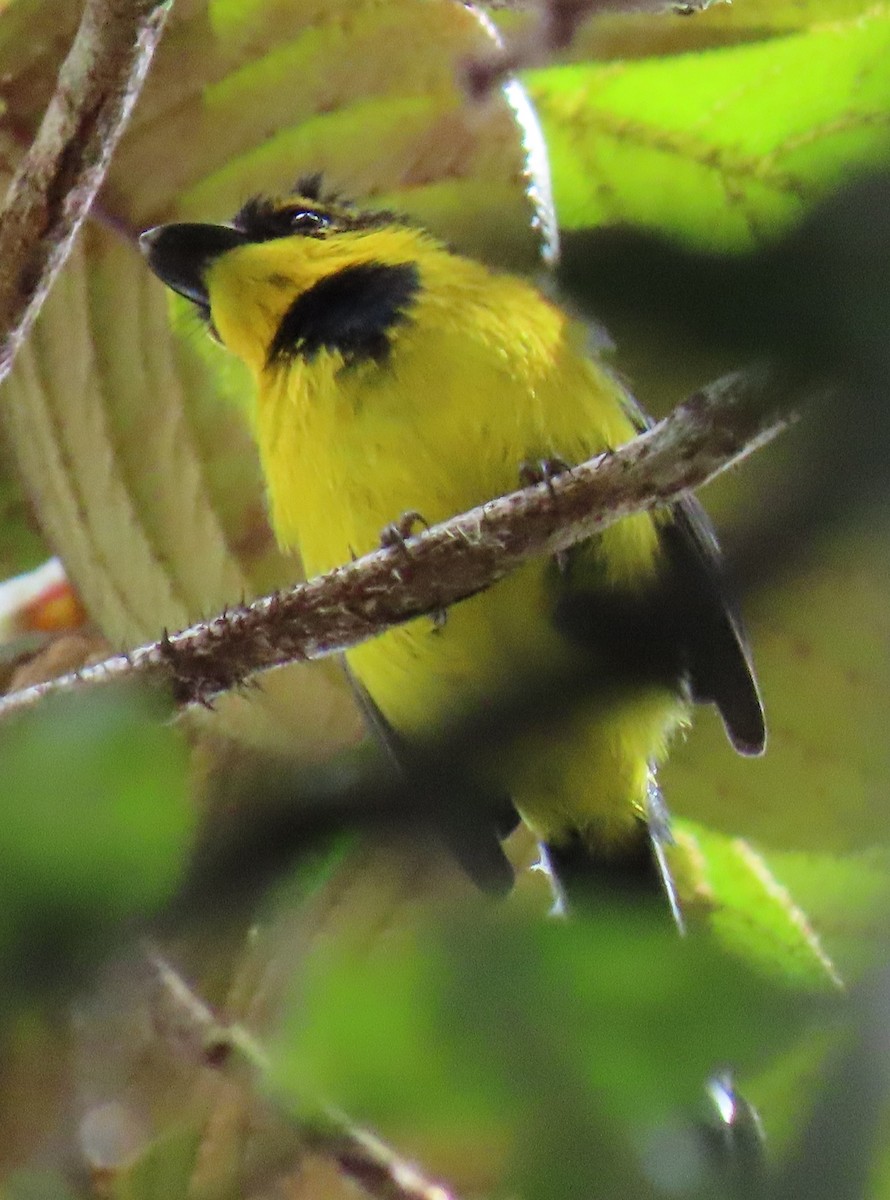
<point x="544" y="470"/>
<point x="541" y="470"/>
<point x="398" y="532"/>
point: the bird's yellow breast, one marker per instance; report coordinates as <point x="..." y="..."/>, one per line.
<point x="484" y="374"/>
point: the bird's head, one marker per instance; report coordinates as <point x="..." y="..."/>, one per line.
<point x="295" y="277"/>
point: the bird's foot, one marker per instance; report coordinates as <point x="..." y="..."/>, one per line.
<point x="544" y="470"/>
<point x="541" y="470"/>
<point x="397" y="534"/>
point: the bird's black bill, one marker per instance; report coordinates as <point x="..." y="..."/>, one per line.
<point x="180" y="254"/>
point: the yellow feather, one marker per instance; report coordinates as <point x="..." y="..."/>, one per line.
<point x="486" y="374"/>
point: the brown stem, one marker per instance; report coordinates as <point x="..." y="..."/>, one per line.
<point x="56" y="182"/>
<point x="187" y="1021"/>
<point x="370" y="1163"/>
<point x="556" y="25"/>
<point x="711" y="431"/>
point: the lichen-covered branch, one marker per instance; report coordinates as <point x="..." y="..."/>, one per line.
<point x="711" y="431"/>
<point x="59" y="176"/>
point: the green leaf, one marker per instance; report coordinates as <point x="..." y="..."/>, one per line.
<point x="817" y="645"/>
<point x="846" y="898"/>
<point x="635" y="35"/>
<point x="751" y="911"/>
<point x="724" y="146"/>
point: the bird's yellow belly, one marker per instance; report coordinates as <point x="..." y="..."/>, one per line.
<point x="580" y="772"/>
<point x="583" y="768"/>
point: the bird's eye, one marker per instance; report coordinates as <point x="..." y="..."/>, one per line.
<point x="303" y="220"/>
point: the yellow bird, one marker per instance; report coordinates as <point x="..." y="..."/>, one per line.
<point x="396" y="376"/>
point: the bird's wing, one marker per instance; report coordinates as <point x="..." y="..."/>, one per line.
<point x="718" y="662"/>
<point x="471" y="826"/>
<point x="686" y="631"/>
<point x="709" y="629"/>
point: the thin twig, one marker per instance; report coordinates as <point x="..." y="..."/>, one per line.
<point x="188" y="1023"/>
<point x="58" y="179"/>
<point x="369" y="1162"/>
<point x="556" y="24"/>
<point x="710" y="432"/>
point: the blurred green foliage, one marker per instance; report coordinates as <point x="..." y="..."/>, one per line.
<point x="96" y="825"/>
<point x="572" y="1041"/>
<point x="35" y="1185"/>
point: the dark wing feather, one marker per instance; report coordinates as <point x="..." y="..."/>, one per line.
<point x="718" y="661"/>
<point x="685" y="633"/>
<point x="470" y="825"/>
<point x="709" y="628"/>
